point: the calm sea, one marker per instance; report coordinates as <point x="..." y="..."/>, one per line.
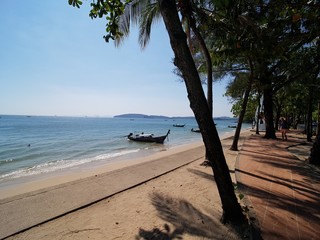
<point x="37" y="145"/>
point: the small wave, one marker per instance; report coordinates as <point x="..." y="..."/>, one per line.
<point x="52" y="166"/>
<point x="6" y="161"/>
<point x="113" y="155"/>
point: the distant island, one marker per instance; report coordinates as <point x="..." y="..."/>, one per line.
<point x="137" y="115"/>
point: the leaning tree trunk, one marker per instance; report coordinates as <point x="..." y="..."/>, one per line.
<point x="207" y="57"/>
<point x="234" y="146"/>
<point x="183" y="60"/>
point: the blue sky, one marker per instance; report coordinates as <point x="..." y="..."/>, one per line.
<point x="54" y="61"/>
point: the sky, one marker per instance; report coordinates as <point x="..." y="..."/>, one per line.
<point x="54" y="61"/>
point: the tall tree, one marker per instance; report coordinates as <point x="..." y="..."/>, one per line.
<point x="232" y="211"/>
<point x="315" y="152"/>
<point x="270" y="31"/>
<point x="188" y="10"/>
<point x="234" y="145"/>
<point x="183" y="60"/>
<point x="145" y="12"/>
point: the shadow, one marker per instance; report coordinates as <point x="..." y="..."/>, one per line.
<point x="297" y="135"/>
<point x="280" y="186"/>
<point x="185" y="219"/>
<point x="302" y="150"/>
<point x="282" y="181"/>
<point x="254" y="153"/>
<point x="285" y="160"/>
<point x="305" y="209"/>
<point x="159" y="234"/>
<point x="201" y="174"/>
<point x="261" y="146"/>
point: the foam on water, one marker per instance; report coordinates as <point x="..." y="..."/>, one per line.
<point x="52" y="166"/>
<point x="32" y="146"/>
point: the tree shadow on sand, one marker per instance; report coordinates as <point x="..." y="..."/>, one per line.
<point x="159" y="234"/>
<point x="185" y="219"/>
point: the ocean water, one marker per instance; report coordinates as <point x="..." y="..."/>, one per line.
<point x="38" y="145"/>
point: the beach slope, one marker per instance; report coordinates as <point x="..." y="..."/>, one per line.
<point x="171" y="195"/>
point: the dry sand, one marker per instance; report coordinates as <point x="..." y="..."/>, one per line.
<point x="183" y="203"/>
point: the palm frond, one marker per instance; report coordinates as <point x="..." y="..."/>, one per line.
<point x="150" y="15"/>
<point x="135" y="14"/>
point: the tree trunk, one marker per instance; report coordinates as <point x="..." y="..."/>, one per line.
<point x="234" y="146"/>
<point x="207" y="57"/>
<point x="318" y="120"/>
<point x="183" y="60"/>
<point x="268" y="107"/>
<point x="258" y="113"/>
<point x="309" y="115"/>
<point x="278" y="105"/>
<point x="278" y="113"/>
<point x="315" y="152"/>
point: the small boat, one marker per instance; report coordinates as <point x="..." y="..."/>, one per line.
<point x="143" y="137"/>
<point x="232" y="126"/>
<point x="195" y="130"/>
<point x="178" y="125"/>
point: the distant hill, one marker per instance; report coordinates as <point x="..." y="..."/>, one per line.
<point x="225" y="118"/>
<point x="137" y="115"/>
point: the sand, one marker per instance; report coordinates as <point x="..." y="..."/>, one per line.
<point x="182" y="203"/>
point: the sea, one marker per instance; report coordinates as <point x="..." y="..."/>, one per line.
<point x="41" y="145"/>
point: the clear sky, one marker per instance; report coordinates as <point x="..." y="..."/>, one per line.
<point x="54" y="61"/>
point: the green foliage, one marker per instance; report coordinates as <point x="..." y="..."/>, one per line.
<point x="241" y="196"/>
<point x="110" y="9"/>
<point x="235" y="91"/>
<point x="236" y="88"/>
<point x="280" y="37"/>
<point x="250" y="111"/>
<point x="75" y="3"/>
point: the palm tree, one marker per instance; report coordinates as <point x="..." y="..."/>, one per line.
<point x="232" y="211"/>
<point x="145" y="12"/>
<point x="183" y="60"/>
<point x="202" y="110"/>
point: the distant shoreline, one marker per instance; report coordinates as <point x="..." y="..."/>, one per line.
<point x="138" y="115"/>
<point x="126" y="115"/>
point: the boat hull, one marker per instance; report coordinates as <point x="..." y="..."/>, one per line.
<point x="150" y="138"/>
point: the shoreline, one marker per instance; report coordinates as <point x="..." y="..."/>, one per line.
<point x="42" y="181"/>
<point x="173" y="196"/>
<point x="36" y="183"/>
<point x="109" y="201"/>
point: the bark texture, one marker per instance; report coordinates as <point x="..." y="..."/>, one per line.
<point x="232" y="211"/>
